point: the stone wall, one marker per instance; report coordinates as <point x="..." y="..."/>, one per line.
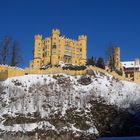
<point x="54" y="70"/>
<point x="7" y="72"/>
<point x="137" y="77"/>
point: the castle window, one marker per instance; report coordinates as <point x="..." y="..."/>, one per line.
<point x="54" y="46"/>
<point x="67" y="47"/>
<point x="45" y="54"/>
<point x="80" y="49"/>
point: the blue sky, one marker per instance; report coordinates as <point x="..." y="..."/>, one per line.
<point x="103" y="21"/>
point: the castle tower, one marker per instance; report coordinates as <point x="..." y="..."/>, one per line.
<point x="38" y="51"/>
<point x="117" y="64"/>
<point x="137" y="61"/>
<point x="54" y="46"/>
<point x="82" y="46"/>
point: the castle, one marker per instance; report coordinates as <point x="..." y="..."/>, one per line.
<point x="55" y="49"/>
<point x="132" y="70"/>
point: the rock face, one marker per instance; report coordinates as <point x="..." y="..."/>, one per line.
<point x="62" y="107"/>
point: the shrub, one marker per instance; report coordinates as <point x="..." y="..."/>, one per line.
<point x="71" y="67"/>
<point x="119" y="72"/>
<point x="84" y="80"/>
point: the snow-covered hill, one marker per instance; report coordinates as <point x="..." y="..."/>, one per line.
<point x="60" y="105"/>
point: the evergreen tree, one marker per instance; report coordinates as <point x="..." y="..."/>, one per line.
<point x="100" y="63"/>
<point x="91" y="61"/>
<point x="110" y="56"/>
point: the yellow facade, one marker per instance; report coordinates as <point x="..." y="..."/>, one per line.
<point x="57" y="48"/>
<point x="8" y="71"/>
<point x="117" y="63"/>
<point x="137" y="77"/>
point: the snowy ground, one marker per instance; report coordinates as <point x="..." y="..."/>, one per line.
<point x="50" y="94"/>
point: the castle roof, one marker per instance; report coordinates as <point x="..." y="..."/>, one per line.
<point x="130" y="64"/>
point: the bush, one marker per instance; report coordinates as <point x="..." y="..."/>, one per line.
<point x="71" y="67"/>
<point x="84" y="80"/>
<point x="119" y="72"/>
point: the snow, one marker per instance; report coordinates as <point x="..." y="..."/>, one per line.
<point x="112" y="91"/>
<point x="128" y="64"/>
<point x="20" y="100"/>
<point x="28" y="127"/>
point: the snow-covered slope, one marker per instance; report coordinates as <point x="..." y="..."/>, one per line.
<point x="59" y="102"/>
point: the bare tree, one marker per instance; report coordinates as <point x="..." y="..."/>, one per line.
<point x="110" y="55"/>
<point x="9" y="52"/>
<point x="4" y="50"/>
<point x="15" y="54"/>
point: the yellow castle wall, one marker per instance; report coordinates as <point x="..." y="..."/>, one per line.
<point x="57" y="48"/>
<point x="55" y="70"/>
<point x="7" y="72"/>
<point x="117" y="58"/>
<point x="137" y="77"/>
<point x="114" y="74"/>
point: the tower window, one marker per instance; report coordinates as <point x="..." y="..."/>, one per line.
<point x="54" y="46"/>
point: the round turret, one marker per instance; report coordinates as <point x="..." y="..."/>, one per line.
<point x="82" y="37"/>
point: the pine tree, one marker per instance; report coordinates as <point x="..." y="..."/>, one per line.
<point x="100" y="63"/>
<point x="91" y="61"/>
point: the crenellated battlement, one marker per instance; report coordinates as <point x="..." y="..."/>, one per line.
<point x="82" y="37"/>
<point x="56" y="31"/>
<point x="38" y="37"/>
<point x="9" y="71"/>
<point x="58" y="48"/>
<point x="117" y="49"/>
